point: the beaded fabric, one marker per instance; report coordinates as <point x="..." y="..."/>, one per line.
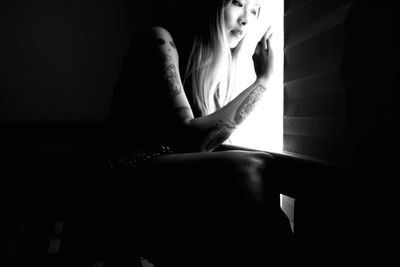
<point x="124" y="160"/>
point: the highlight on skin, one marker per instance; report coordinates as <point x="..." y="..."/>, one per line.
<point x="223" y="129"/>
<point x="249" y="103"/>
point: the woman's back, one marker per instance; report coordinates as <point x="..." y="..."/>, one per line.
<point x="139" y="110"/>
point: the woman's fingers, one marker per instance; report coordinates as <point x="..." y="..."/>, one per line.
<point x="259" y="48"/>
<point x="268" y="42"/>
<point x="265" y="37"/>
<point x="267" y="33"/>
<point x="264" y="42"/>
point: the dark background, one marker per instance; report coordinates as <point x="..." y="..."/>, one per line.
<point x="59" y="60"/>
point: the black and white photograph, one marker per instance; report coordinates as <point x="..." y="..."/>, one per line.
<point x="183" y="133"/>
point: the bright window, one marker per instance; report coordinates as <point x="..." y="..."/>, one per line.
<point x="263" y="129"/>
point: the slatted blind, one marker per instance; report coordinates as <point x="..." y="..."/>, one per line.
<point x="314" y="96"/>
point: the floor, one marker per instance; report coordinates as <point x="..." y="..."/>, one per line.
<point x="42" y="219"/>
<point x="53" y="243"/>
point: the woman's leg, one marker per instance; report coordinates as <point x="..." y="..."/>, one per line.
<point x="208" y="202"/>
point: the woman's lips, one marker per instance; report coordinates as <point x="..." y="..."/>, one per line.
<point x="238" y="33"/>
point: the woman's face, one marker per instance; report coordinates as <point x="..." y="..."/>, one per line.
<point x="239" y="16"/>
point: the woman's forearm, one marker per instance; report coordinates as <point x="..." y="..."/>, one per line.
<point x="218" y="126"/>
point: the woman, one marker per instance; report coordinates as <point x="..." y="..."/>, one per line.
<point x="171" y="129"/>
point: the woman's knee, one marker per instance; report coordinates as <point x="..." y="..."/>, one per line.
<point x="249" y="162"/>
<point x="258" y="164"/>
<point x="251" y="173"/>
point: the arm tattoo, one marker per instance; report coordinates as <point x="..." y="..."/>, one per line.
<point x="170" y="73"/>
<point x="165" y="57"/>
<point x="249" y="103"/>
<point x="223" y="129"/>
<point x="218" y="134"/>
<point x="172" y="81"/>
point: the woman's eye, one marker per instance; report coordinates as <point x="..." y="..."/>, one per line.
<point x="237" y="3"/>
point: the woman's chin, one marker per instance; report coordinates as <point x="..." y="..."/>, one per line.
<point x="233" y="44"/>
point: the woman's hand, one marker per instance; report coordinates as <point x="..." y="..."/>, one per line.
<point x="263" y="57"/>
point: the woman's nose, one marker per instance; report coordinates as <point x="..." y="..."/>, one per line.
<point x="243" y="18"/>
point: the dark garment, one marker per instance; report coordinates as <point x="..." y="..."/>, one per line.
<point x="122" y="161"/>
<point x="141" y="110"/>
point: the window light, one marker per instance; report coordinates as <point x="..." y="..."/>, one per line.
<point x="263" y="129"/>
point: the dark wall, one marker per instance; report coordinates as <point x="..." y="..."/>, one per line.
<point x="371" y="69"/>
<point x="61" y="58"/>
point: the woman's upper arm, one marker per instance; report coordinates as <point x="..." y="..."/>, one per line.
<point x="169" y="59"/>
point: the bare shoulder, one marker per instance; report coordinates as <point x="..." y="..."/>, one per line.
<point x="162" y="36"/>
<point x="160" y="32"/>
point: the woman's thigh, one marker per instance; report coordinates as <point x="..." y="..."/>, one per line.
<point x="201" y="173"/>
<point x="204" y="185"/>
<point x="201" y="193"/>
<point x="202" y="197"/>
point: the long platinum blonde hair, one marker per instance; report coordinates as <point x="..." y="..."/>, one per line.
<point x="211" y="65"/>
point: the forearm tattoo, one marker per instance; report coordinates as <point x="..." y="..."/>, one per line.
<point x="218" y="134"/>
<point x="223" y="129"/>
<point x="249" y="103"/>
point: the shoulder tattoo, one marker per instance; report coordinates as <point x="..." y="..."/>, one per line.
<point x="165" y="57"/>
<point x="172" y="81"/>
